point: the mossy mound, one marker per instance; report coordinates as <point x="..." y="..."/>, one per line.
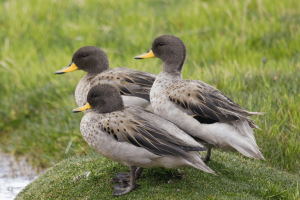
<point x="237" y="178"/>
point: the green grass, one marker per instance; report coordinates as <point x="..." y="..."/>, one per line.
<point x="249" y="50"/>
<point x="237" y="178"/>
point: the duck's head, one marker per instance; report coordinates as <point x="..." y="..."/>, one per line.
<point x="170" y="49"/>
<point x="90" y="59"/>
<point x="102" y="98"/>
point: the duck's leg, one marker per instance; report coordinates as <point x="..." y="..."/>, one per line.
<point x="208" y="155"/>
<point x="126" y="187"/>
<point x="124" y="176"/>
<point x="138" y="172"/>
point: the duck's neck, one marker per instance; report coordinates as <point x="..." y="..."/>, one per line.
<point x="160" y="88"/>
<point x="90" y="75"/>
<point x="171" y="72"/>
<point x="94" y="71"/>
<point x="166" y="78"/>
<point x="173" y="68"/>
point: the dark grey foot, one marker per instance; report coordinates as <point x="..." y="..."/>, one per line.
<point x="125" y="177"/>
<point x="120" y="178"/>
<point x="122" y="189"/>
<point x="126" y="187"/>
<point x="207" y="158"/>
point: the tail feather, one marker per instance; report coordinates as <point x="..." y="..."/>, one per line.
<point x="236" y="135"/>
<point x="196" y="161"/>
<point x="249" y="152"/>
<point x="247" y="146"/>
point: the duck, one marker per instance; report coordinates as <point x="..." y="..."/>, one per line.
<point x="196" y="107"/>
<point x="133" y="85"/>
<point x="135" y="137"/>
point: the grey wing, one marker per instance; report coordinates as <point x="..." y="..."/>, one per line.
<point x="175" y="134"/>
<point x="140" y="132"/>
<point x="208" y="104"/>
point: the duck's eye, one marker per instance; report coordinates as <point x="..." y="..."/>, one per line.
<point x="95" y="95"/>
<point x="84" y="55"/>
<point x="161" y="44"/>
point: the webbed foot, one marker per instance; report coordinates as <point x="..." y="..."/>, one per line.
<point x="122" y="189"/>
<point x="126" y="187"/>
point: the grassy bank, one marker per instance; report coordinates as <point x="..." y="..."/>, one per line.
<point x="247" y="49"/>
<point x="237" y="178"/>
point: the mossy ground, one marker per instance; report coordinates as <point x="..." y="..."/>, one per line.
<point x="237" y="178"/>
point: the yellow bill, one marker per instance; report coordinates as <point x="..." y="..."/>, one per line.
<point x="72" y="67"/>
<point x="83" y="108"/>
<point x="149" y="54"/>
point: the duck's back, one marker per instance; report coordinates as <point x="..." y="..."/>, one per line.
<point x="127" y="81"/>
<point x="133" y="85"/>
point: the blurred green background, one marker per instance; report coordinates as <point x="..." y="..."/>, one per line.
<point x="249" y="50"/>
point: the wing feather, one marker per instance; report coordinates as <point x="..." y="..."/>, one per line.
<point x="142" y="133"/>
<point x="207" y="104"/>
<point x="127" y="81"/>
